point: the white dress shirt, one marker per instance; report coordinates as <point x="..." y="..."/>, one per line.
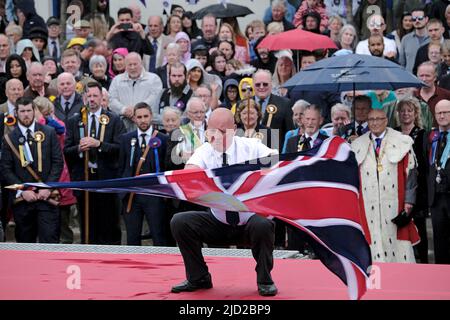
<point x="148" y="133"/>
<point x="97" y="124"/>
<point x="70" y="100"/>
<point x="313" y="138"/>
<point x="241" y="150"/>
<point x="11" y="108"/>
<point x="23" y="130"/>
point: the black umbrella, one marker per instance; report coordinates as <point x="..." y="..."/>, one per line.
<point x="222" y="11"/>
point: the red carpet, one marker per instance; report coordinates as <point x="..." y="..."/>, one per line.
<point x="42" y="275"/>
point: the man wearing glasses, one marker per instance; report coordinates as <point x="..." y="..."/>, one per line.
<point x="186" y="139"/>
<point x="220" y="227"/>
<point x="412" y="41"/>
<point x="377" y="26"/>
<point x="280" y="117"/>
<point x="388" y="184"/>
<point x="438" y="153"/>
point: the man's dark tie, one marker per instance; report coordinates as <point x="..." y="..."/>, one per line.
<point x="231" y="216"/>
<point x="143" y="143"/>
<point x="152" y="64"/>
<point x="306" y="144"/>
<point x="359" y="130"/>
<point x="442" y="144"/>
<point x="29" y="137"/>
<point x="67" y="108"/>
<point x="263" y="106"/>
<point x="377" y="146"/>
<point x="93" y="134"/>
<point x="54" y="50"/>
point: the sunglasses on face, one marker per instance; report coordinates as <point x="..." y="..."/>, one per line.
<point x="420" y="18"/>
<point x="376" y="25"/>
<point x="247" y="90"/>
<point x="262" y="85"/>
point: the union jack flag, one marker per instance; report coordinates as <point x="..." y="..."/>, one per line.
<point x="315" y="191"/>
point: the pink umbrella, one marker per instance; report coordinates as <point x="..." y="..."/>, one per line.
<point x="297" y="39"/>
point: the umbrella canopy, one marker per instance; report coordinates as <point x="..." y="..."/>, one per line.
<point x="297" y="39"/>
<point x="353" y="72"/>
<point x="222" y="11"/>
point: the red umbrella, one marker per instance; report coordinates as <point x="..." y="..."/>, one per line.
<point x="297" y="39"/>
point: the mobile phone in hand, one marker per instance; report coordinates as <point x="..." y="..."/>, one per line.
<point x="126" y="26"/>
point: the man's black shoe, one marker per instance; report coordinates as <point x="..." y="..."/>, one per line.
<point x="267" y="290"/>
<point x="187" y="286"/>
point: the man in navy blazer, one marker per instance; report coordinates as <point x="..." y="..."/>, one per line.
<point x="69" y="102"/>
<point x="34" y="215"/>
<point x="101" y="143"/>
<point x="312" y="120"/>
<point x="133" y="146"/>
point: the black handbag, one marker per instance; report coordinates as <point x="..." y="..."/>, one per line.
<point x="402" y="219"/>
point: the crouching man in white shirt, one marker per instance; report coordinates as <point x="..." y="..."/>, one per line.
<point x="219" y="227"/>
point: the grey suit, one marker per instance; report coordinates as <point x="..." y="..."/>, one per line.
<point x="75" y="108"/>
<point x="4" y="107"/>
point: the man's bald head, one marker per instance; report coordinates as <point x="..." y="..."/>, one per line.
<point x="221" y="129"/>
<point x="376" y="24"/>
<point x="221" y="118"/>
<point x="442" y="104"/>
<point x="442" y="114"/>
<point x="133" y="65"/>
<point x="66" y="84"/>
<point x="14" y="90"/>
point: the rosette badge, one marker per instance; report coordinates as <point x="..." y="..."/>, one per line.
<point x="104" y="119"/>
<point x="39" y="136"/>
<point x="10" y="120"/>
<point x="180" y="105"/>
<point x="79" y="87"/>
<point x="435" y="136"/>
<point x="155" y="142"/>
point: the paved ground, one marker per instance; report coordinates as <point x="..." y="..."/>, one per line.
<point x="76" y="231"/>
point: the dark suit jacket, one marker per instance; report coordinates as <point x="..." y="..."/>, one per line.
<point x="164" y="101"/>
<point x="74" y="108"/>
<point x="108" y="152"/>
<point x="282" y="119"/>
<point x="431" y="171"/>
<point x="149" y="165"/>
<point x="292" y="144"/>
<point x="324" y="99"/>
<point x="421" y="56"/>
<point x="350" y="130"/>
<point x="52" y="160"/>
<point x="132" y="41"/>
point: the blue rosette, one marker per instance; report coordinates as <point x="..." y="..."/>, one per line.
<point x="155" y="143"/>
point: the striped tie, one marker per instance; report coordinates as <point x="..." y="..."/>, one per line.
<point x="378" y="146"/>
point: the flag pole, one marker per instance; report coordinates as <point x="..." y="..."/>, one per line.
<point x="248" y="111"/>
